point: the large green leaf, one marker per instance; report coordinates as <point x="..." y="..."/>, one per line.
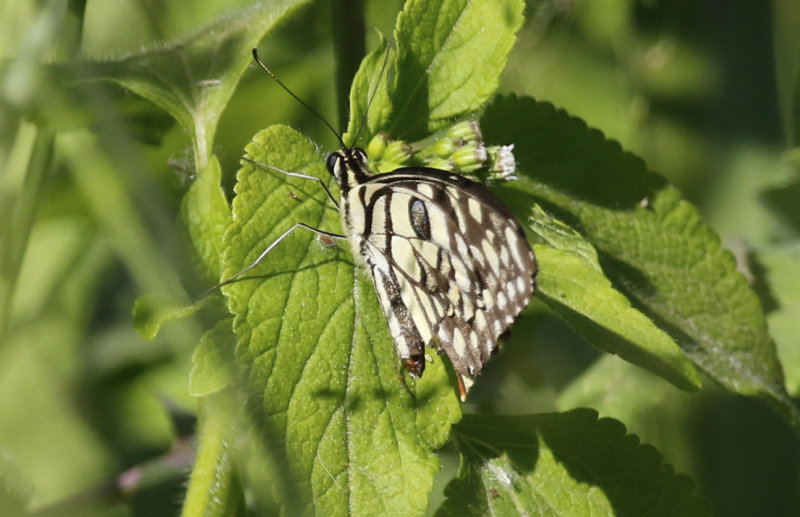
<point x="318" y="354"/>
<point x="562" y="464"/>
<point x="652" y="244"/>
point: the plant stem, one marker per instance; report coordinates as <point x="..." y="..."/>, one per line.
<point x="349" y="46"/>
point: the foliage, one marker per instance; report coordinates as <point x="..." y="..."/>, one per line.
<point x="291" y="373"/>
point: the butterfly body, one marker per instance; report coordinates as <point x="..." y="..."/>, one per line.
<point x="450" y="263"/>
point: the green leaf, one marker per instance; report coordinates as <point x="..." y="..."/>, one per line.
<point x="450" y="54"/>
<point x="317" y="352"/>
<point x="213" y="360"/>
<point x="562" y="464"/>
<point x="651" y="243"/>
<point x="571" y="281"/>
<point x="152" y="311"/>
<point x="207" y="215"/>
<point x="193" y="78"/>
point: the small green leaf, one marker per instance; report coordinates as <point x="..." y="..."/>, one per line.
<point x="151" y="312"/>
<point x="651" y="243"/>
<point x="450" y="54"/>
<point x="207" y="215"/>
<point x="572" y="282"/>
<point x="213" y="360"/>
<point x="562" y="464"/>
<point x="317" y="351"/>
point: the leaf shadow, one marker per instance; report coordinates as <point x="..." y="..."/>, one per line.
<point x="565" y="157"/>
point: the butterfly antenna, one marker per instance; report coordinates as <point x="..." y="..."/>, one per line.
<point x="374" y="91"/>
<point x="298" y="99"/>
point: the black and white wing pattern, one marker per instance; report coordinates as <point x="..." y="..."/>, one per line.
<point x="451" y="264"/>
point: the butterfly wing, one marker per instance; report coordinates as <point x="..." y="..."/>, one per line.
<point x="449" y="261"/>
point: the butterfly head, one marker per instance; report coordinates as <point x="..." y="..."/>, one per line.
<point x="349" y="167"/>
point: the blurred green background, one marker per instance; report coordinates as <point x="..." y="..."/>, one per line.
<point x="704" y="91"/>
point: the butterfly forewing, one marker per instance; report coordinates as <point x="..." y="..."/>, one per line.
<point x="451" y="264"/>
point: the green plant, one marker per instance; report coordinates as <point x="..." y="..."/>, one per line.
<point x="300" y="407"/>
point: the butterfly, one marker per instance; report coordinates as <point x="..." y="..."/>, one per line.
<point x="451" y="265"/>
<point x="450" y="262"/>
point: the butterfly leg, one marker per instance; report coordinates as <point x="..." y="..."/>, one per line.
<point x="296" y="175"/>
<point x="264" y="253"/>
<point x="402" y="378"/>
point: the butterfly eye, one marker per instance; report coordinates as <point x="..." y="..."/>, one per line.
<point x="331" y="162"/>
